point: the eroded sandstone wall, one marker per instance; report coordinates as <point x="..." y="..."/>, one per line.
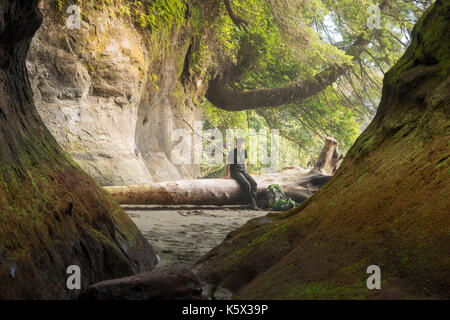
<point x="112" y="96"/>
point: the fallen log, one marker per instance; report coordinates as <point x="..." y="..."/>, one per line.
<point x="297" y="183"/>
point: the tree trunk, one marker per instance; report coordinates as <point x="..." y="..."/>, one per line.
<point x="329" y="157"/>
<point x="297" y="183"/>
<point x="221" y="95"/>
<point x="52" y="214"/>
<point x="238" y="21"/>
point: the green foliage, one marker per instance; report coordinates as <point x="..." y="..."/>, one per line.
<point x="57" y="4"/>
<point x="155" y="14"/>
<point x="198" y="56"/>
<point x="251" y="123"/>
<point x="285" y="41"/>
<point x="292" y="40"/>
<point x="152" y="15"/>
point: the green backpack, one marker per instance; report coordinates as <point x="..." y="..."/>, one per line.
<point x="277" y="199"/>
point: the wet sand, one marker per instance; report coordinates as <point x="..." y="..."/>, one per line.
<point x="182" y="234"/>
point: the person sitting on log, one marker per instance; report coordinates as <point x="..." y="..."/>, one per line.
<point x="236" y="170"/>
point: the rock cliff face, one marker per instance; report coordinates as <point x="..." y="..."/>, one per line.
<point x="112" y="96"/>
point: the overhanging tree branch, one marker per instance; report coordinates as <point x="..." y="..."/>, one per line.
<point x="238" y="21"/>
<point x="221" y="95"/>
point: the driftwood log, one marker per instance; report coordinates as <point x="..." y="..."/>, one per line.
<point x="298" y="184"/>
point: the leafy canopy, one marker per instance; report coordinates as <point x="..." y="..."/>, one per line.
<point x="292" y="40"/>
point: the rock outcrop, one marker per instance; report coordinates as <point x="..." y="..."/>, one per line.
<point x="387" y="205"/>
<point x="112" y="96"/>
<point x="172" y="283"/>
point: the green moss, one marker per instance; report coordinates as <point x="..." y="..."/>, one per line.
<point x="430" y="45"/>
<point x="153" y="15"/>
<point x="326" y="290"/>
<point x="266" y="237"/>
<point x="443" y="163"/>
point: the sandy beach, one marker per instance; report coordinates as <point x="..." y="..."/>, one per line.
<point x="182" y="234"/>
